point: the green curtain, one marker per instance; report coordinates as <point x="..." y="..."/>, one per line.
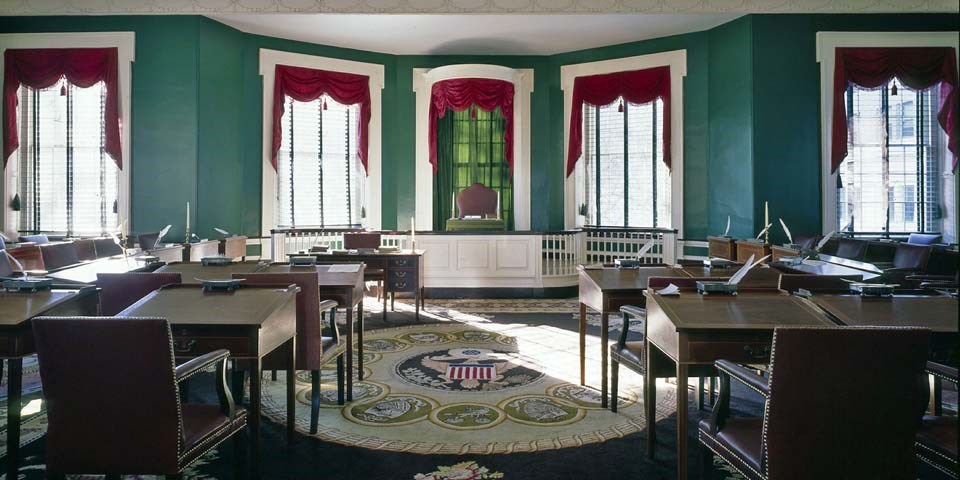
<point x="470" y="149"/>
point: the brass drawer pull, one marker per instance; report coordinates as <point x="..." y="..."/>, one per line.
<point x="400" y="274"/>
<point x="757" y="351"/>
<point x="184" y="346"/>
<point x="401" y="261"/>
<point x="401" y="284"/>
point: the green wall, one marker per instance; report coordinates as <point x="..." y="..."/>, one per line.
<point x="751" y="118"/>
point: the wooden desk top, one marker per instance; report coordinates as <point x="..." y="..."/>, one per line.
<point x="17" y="307"/>
<point x="745" y="311"/>
<point x="86" y="273"/>
<point x="190" y="305"/>
<point x="191" y="271"/>
<point x="854" y="264"/>
<point x="326" y="278"/>
<point x="621" y="279"/>
<point x="819" y="267"/>
<point x="938" y="313"/>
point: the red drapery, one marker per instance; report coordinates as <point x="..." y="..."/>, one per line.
<point x="460" y="94"/>
<point x="637" y="86"/>
<point x="44" y="67"/>
<point x="917" y="67"/>
<point x="307" y="84"/>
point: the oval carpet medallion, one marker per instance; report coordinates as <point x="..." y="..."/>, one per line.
<point x="458" y="388"/>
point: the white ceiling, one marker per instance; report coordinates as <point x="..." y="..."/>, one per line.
<point x="472" y="34"/>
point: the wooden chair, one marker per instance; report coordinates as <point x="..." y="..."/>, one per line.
<point x="106" y="247"/>
<point x="113" y="408"/>
<point x="937" y="438"/>
<point x="59" y="255"/>
<point x="120" y="290"/>
<point x="314" y="349"/>
<point x="368" y="240"/>
<point x="791" y="283"/>
<point x="86" y="249"/>
<point x="478" y="199"/>
<point x="816" y="423"/>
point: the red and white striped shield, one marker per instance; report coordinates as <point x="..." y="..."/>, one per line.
<point x="464" y="371"/>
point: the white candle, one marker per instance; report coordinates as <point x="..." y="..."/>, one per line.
<point x="453" y="206"/>
<point x="766" y="214"/>
<point x="188" y="221"/>
<point x="413" y="229"/>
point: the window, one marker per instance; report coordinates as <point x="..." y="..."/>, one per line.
<point x="67" y="184"/>
<point x="470" y="149"/>
<point x="890" y="179"/>
<point x="319" y="176"/>
<point x="625" y="182"/>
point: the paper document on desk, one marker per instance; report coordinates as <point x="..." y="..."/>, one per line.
<point x="669" y="290"/>
<point x="347" y="268"/>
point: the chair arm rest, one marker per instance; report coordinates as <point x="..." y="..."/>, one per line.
<point x="943" y="371"/>
<point x="197" y="365"/>
<point x="628" y="311"/>
<point x="328" y="304"/>
<point x="746" y="376"/>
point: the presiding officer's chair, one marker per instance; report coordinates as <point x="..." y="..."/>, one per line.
<point x="113" y="408"/>
<point x="834" y="408"/>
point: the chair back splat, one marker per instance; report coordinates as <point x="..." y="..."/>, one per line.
<point x="837" y="409"/>
<point x="111" y="395"/>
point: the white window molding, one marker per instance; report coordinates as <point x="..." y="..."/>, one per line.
<point x="827" y="44"/>
<point x="125" y="44"/>
<point x="269" y="59"/>
<point x="522" y="80"/>
<point x="677" y="61"/>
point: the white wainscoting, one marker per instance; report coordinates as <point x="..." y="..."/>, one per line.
<point x="478" y="261"/>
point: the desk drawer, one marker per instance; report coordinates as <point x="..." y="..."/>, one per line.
<point x="402" y="262"/>
<point x="748" y="348"/>
<point x="407" y="284"/>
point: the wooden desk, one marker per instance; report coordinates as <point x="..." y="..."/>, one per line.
<point x="777" y="252"/>
<point x="605" y="290"/>
<point x="761" y="277"/>
<point x="346" y="288"/>
<point x="745" y="248"/>
<point x="194" y="252"/>
<point x="168" y="253"/>
<point x="192" y="272"/>
<point x="693" y="329"/>
<point x="16" y="342"/>
<point x="402" y="271"/>
<point x="250" y="322"/>
<point x="722" y="247"/>
<point x="819" y="267"/>
<point x="86" y="273"/>
<point x="233" y="247"/>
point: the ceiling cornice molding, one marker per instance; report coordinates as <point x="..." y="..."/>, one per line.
<point x="134" y="7"/>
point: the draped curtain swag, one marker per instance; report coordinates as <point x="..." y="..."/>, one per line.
<point x="40" y="68"/>
<point x="917" y="67"/>
<point x="307" y="84"/>
<point x="636" y="86"/>
<point x="460" y="94"/>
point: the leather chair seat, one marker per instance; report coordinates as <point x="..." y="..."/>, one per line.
<point x="741" y="438"/>
<point x="939" y="435"/>
<point x="204" y="428"/>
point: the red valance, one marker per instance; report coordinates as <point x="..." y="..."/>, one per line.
<point x="637" y="86"/>
<point x="917" y="67"/>
<point x="44" y="67"/>
<point x="460" y="94"/>
<point x="307" y="85"/>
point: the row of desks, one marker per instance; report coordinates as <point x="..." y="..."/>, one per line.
<point x="693" y="329"/>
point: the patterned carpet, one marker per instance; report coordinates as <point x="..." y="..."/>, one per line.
<point x="537" y="335"/>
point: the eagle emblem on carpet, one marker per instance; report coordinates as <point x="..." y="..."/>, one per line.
<point x="468" y="369"/>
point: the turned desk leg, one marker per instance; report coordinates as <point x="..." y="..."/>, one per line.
<point x="583" y="343"/>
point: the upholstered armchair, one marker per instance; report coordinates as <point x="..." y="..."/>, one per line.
<point x="851" y="248"/>
<point x="314" y="348"/>
<point x="59" y="255"/>
<point x="39" y="239"/>
<point x="107" y="247"/>
<point x="120" y="290"/>
<point x="478" y="199"/>
<point x="923" y="238"/>
<point x="806" y="242"/>
<point x="908" y="260"/>
<point x="937" y="438"/>
<point x="148" y="241"/>
<point x="113" y="407"/>
<point x="816" y="422"/>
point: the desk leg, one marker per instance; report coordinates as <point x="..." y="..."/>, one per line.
<point x="583" y="343"/>
<point x="14" y="390"/>
<point x="256" y="370"/>
<point x="682" y="371"/>
<point x="384" y="301"/>
<point x="650" y="399"/>
<point x="604" y="337"/>
<point x="419" y="296"/>
<point x="350" y="354"/>
<point x="360" y="341"/>
<point x="291" y="391"/>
